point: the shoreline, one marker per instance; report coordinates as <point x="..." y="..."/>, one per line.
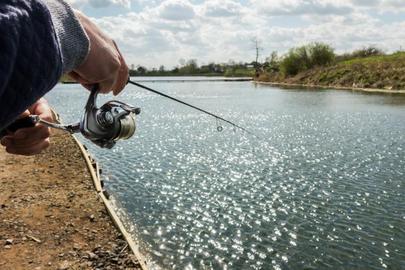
<point x="95" y="172"/>
<point x="177" y="79"/>
<point x="279" y="84"/>
<point x="314" y="86"/>
<point x="55" y="214"/>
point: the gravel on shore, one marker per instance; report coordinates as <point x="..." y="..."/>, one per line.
<point x="51" y="217"/>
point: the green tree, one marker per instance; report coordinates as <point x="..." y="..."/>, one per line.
<point x="273" y="62"/>
<point x="141" y="70"/>
<point x="295" y="61"/>
<point x="321" y="54"/>
<point x="306" y="57"/>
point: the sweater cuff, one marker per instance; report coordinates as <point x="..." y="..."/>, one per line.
<point x="73" y="40"/>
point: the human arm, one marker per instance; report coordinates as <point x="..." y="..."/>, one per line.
<point x="41" y="39"/>
<point x="31" y="59"/>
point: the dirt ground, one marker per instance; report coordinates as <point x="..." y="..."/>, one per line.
<point x="51" y="216"/>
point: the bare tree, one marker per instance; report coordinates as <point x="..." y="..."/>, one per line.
<point x="257" y="45"/>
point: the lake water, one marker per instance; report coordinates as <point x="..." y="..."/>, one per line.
<point x="322" y="188"/>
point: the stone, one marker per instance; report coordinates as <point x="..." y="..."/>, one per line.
<point x="64" y="265"/>
<point x="92" y="218"/>
<point x="76" y="246"/>
<point x="9" y="241"/>
<point x="91" y="255"/>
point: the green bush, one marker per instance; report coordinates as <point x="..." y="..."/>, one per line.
<point x="361" y="53"/>
<point x="321" y="54"/>
<point x="367" y="52"/>
<point x="272" y="63"/>
<point x="306" y="57"/>
<point x="295" y="61"/>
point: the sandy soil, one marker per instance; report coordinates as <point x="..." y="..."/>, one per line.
<point x="51" y="216"/>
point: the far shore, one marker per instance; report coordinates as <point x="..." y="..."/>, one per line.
<point x="172" y="79"/>
<point x="285" y="85"/>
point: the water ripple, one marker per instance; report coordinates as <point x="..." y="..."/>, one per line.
<point x="322" y="189"/>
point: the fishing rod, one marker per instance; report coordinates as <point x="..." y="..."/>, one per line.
<point x="219" y="128"/>
<point x="105" y="125"/>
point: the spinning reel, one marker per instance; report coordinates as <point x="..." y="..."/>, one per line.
<point x="103" y="126"/>
<point x="113" y="121"/>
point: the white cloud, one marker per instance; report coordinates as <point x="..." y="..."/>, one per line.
<point x="221" y="8"/>
<point x="366" y="2"/>
<point x="215" y="30"/>
<point x="381" y="5"/>
<point x="176" y="10"/>
<point x="390" y="4"/>
<point x="301" y="7"/>
<point x="99" y="3"/>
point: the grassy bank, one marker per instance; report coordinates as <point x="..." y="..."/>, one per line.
<point x="382" y="71"/>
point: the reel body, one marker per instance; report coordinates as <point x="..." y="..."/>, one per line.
<point x="111" y="122"/>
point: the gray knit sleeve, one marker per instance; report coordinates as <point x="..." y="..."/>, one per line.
<point x="72" y="38"/>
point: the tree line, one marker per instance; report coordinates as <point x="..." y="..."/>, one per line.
<point x="312" y="55"/>
<point x="296" y="60"/>
<point x="191" y="68"/>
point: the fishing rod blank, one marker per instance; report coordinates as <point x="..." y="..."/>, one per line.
<point x="192" y="106"/>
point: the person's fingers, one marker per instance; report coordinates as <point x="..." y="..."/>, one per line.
<point x="27" y="147"/>
<point x="28" y="151"/>
<point x="26" y="137"/>
<point x="6" y="140"/>
<point x="122" y="78"/>
<point x="108" y="84"/>
<point x="43" y="111"/>
<point x="123" y="73"/>
<point x="24" y="114"/>
<point x="32" y="140"/>
<point x="88" y="86"/>
<point x="104" y="64"/>
<point x="118" y="86"/>
<point x="78" y="78"/>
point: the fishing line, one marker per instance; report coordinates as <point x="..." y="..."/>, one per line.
<point x="219" y="127"/>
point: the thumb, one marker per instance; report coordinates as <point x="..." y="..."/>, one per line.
<point x="24" y="114"/>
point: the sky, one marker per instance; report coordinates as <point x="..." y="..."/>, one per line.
<point x="162" y="32"/>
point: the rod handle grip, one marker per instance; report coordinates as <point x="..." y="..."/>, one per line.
<point x="25" y="122"/>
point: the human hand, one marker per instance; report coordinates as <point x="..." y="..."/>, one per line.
<point x="30" y="141"/>
<point x="104" y="64"/>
